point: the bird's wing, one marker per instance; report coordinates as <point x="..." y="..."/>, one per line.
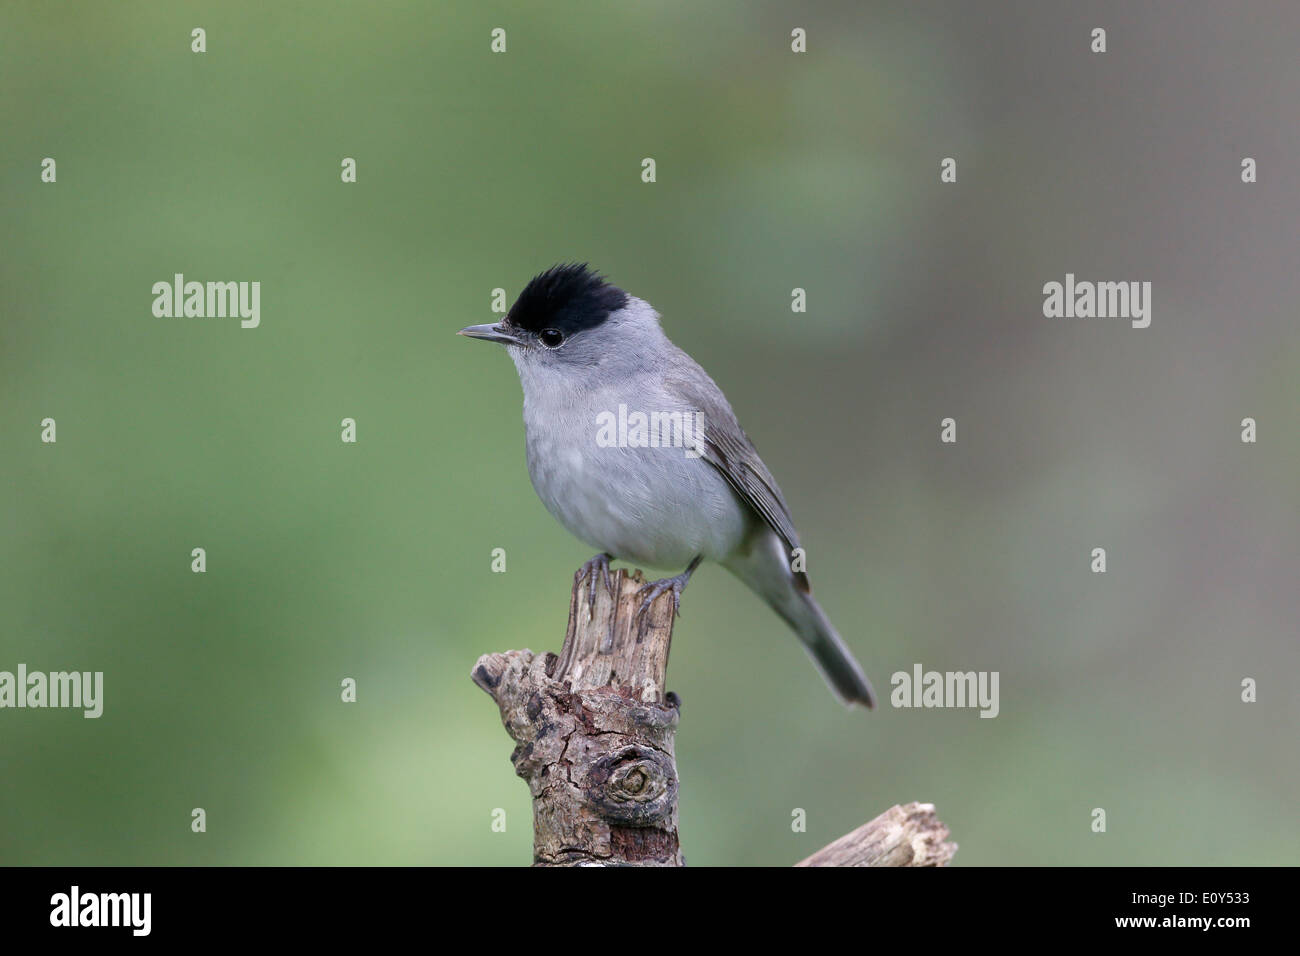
<point x="727" y="448"/>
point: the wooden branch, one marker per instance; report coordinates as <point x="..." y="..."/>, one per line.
<point x="594" y="730"/>
<point x="909" y="835"/>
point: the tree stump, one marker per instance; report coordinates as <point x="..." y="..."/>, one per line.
<point x="594" y="729"/>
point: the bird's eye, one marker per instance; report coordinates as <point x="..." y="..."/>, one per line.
<point x="551" y="338"/>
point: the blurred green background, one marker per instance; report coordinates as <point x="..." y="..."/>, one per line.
<point x="775" y="171"/>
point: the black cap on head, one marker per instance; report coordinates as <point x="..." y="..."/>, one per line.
<point x="568" y="297"/>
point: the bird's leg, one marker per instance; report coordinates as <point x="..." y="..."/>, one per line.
<point x="677" y="585"/>
<point x="599" y="563"/>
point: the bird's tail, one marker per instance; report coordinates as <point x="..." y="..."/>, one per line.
<point x="831" y="654"/>
<point x="828" y="651"/>
<point x="765" y="570"/>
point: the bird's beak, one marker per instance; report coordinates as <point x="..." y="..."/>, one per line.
<point x="492" y="333"/>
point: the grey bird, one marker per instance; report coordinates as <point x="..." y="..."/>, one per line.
<point x="587" y="354"/>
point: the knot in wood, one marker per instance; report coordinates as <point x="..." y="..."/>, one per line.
<point x="634" y="786"/>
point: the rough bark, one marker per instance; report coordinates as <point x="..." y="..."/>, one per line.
<point x="594" y="728"/>
<point x="594" y="731"/>
<point x="908" y="835"/>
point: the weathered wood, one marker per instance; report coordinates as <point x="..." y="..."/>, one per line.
<point x="594" y="728"/>
<point x="594" y="731"/>
<point x="908" y="835"/>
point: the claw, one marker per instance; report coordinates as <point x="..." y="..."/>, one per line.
<point x="599" y="563"/>
<point x="655" y="589"/>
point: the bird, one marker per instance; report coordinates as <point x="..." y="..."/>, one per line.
<point x="589" y="355"/>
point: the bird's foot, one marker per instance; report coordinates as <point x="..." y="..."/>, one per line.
<point x="599" y="563"/>
<point x="656" y="589"/>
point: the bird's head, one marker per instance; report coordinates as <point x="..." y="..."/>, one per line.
<point x="569" y="318"/>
